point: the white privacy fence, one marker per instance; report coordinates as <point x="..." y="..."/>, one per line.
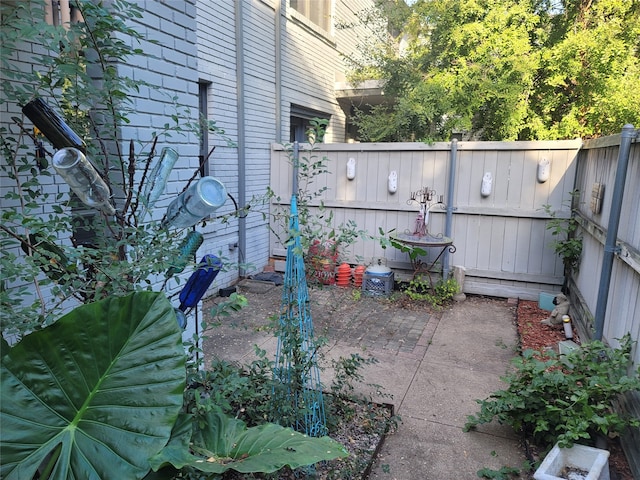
<point x="500" y="235"/>
<point x="597" y="169"/>
<point x="605" y="290"/>
<point x="499" y="228"/>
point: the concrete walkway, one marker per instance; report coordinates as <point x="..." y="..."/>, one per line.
<point x="431" y="367"/>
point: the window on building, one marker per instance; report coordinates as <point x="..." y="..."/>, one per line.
<point x="203" y="107"/>
<point x="61" y="12"/>
<point x="300" y="123"/>
<point x="317" y="11"/>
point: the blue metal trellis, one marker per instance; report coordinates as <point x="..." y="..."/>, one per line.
<point x="298" y="400"/>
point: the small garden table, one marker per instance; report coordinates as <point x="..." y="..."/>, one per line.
<point x="415" y="241"/>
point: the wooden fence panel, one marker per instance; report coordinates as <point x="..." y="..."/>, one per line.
<point x="500" y="239"/>
<point x="598" y="163"/>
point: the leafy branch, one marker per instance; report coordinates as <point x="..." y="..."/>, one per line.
<point x="564" y="230"/>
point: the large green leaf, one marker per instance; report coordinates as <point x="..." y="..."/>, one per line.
<point x="102" y="388"/>
<point x="225" y="443"/>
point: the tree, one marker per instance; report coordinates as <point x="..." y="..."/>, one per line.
<point x="108" y="377"/>
<point x="508" y="70"/>
<point x="590" y="70"/>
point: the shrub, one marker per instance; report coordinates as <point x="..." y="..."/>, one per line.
<point x="564" y="399"/>
<point x="443" y="291"/>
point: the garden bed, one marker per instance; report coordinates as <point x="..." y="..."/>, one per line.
<point x="362" y="434"/>
<point x="540" y="337"/>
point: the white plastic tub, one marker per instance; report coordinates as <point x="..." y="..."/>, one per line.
<point x="592" y="460"/>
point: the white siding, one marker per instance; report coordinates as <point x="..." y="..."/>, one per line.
<point x="168" y="66"/>
<point x="310" y="62"/>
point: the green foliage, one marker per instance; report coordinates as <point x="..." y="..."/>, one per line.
<point x="420" y="287"/>
<point x="505" y="473"/>
<point x="55" y="251"/>
<point x="106" y="385"/>
<point x="227" y="444"/>
<point x="296" y="400"/>
<point x="320" y="237"/>
<point x="248" y="393"/>
<point x="106" y="382"/>
<point x="386" y="239"/>
<point x="94" y="395"/>
<point x="356" y="294"/>
<point x="349" y="403"/>
<point x="442" y="292"/>
<point x="224" y="309"/>
<point x="241" y="391"/>
<point x="340" y="406"/>
<point x="504" y="71"/>
<point x="566" y="399"/>
<point x="566" y="244"/>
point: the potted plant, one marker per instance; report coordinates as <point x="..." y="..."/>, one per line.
<point x="322" y="258"/>
<point x="322" y="240"/>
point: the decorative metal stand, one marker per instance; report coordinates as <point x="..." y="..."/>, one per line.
<point x="424" y="199"/>
<point x="421" y="239"/>
<point x="298" y="400"/>
<point x="422" y="243"/>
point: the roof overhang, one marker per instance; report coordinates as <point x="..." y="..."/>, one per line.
<point x="369" y="92"/>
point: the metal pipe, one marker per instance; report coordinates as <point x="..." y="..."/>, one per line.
<point x="296" y="163"/>
<point x="278" y="70"/>
<point x="610" y="248"/>
<point x="448" y="224"/>
<point x="242" y="191"/>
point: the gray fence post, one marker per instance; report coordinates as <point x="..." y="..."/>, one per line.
<point x="610" y="247"/>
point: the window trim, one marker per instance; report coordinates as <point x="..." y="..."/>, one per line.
<point x="305" y="114"/>
<point x="299" y="17"/>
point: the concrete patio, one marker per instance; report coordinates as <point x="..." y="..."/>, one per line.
<point x="432" y="366"/>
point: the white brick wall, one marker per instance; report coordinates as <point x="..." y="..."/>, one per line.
<point x="167" y="65"/>
<point x="196" y="40"/>
<point x="310" y="65"/>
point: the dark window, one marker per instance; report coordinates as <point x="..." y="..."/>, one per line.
<point x="300" y="123"/>
<point x="203" y="108"/>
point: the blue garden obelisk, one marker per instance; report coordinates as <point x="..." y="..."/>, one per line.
<point x="298" y="398"/>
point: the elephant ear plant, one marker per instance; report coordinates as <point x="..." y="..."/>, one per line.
<point x="95" y="394"/>
<point x="99" y="393"/>
<point x="227" y="444"/>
